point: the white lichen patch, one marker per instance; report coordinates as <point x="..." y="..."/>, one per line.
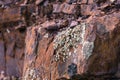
<point x="32" y="74"/>
<point x="67" y="40"/>
<point x="87" y="49"/>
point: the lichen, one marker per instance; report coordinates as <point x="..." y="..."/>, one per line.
<point x="67" y="40"/>
<point x="32" y="74"/>
<point x="87" y="49"/>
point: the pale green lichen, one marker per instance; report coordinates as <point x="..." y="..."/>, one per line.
<point x="32" y="74"/>
<point x="67" y="40"/>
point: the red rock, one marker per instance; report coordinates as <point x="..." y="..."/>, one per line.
<point x="14" y="53"/>
<point x="83" y="1"/>
<point x="12" y="14"/>
<point x="10" y="40"/>
<point x="7" y="1"/>
<point x="96" y="54"/>
<point x="45" y="60"/>
<point x="57" y="8"/>
<point x="62" y="23"/>
<point x="90" y="1"/>
<point x="50" y="25"/>
<point x="2" y="56"/>
<point x="31" y="8"/>
<point x="86" y="9"/>
<point x="69" y="9"/>
<point x="71" y="1"/>
<point x="38" y="2"/>
<point x="90" y="34"/>
<point x="65" y="8"/>
<point x="11" y="67"/>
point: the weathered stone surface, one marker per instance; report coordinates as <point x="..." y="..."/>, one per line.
<point x="38" y="2"/>
<point x="50" y="25"/>
<point x="2" y="54"/>
<point x="65" y="8"/>
<point x="86" y="9"/>
<point x="12" y="53"/>
<point x="60" y="39"/>
<point x="43" y="51"/>
<point x="11" y="67"/>
<point x="10" y="44"/>
<point x="69" y="9"/>
<point x="84" y="1"/>
<point x="57" y="8"/>
<point x="8" y="15"/>
<point x="71" y="1"/>
<point x="94" y="50"/>
<point x="62" y="23"/>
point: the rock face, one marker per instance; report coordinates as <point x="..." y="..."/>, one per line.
<point x="60" y="39"/>
<point x="12" y="51"/>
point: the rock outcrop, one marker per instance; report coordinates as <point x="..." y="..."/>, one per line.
<point x="60" y="39"/>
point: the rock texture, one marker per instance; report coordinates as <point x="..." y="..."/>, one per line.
<point x="60" y="39"/>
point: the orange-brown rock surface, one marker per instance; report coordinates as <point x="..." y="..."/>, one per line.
<point x="60" y="39"/>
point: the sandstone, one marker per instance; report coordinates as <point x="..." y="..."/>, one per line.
<point x="10" y="44"/>
<point x="12" y="14"/>
<point x="60" y="39"/>
<point x="65" y="8"/>
<point x="50" y="25"/>
<point x="84" y="1"/>
<point x="2" y="56"/>
<point x="71" y="1"/>
<point x="31" y="8"/>
<point x="12" y="68"/>
<point x="57" y="8"/>
<point x="86" y="9"/>
<point x="90" y="1"/>
<point x="38" y="2"/>
<point x="62" y="23"/>
<point x="69" y="9"/>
